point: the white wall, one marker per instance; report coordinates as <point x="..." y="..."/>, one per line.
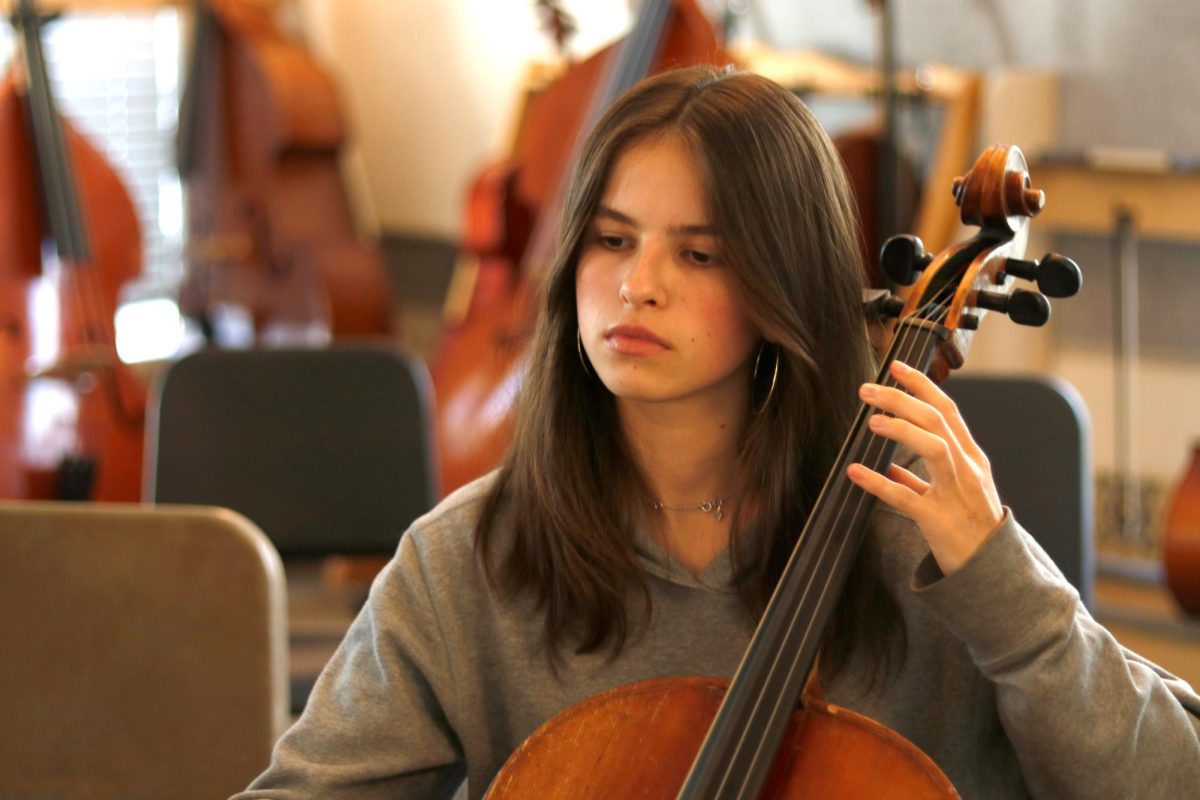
<point x="431" y="88"/>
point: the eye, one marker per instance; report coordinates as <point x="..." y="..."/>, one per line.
<point x="701" y="258"/>
<point x="609" y="241"/>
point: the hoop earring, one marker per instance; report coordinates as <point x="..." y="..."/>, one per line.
<point x="579" y="349"/>
<point x="774" y="375"/>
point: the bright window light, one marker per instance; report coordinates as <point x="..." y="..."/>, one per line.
<point x="149" y="330"/>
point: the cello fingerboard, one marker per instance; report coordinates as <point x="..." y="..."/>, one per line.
<point x="737" y="754"/>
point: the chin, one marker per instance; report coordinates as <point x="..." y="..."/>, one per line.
<point x="637" y="387"/>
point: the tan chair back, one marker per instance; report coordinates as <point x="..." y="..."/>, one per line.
<point x="144" y="651"/>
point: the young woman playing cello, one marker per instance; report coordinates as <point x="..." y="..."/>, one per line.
<point x="700" y="356"/>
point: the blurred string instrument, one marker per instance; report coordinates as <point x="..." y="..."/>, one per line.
<point x="513" y="214"/>
<point x="269" y="225"/>
<point x="71" y="414"/>
<point x="769" y="733"/>
<point x="1181" y="537"/>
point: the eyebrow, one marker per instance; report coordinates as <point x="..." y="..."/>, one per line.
<point x="675" y="230"/>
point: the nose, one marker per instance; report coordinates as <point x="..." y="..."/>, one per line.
<point x="643" y="280"/>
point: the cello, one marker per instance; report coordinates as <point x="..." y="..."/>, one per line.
<point x="1181" y="537"/>
<point x="512" y="226"/>
<point x="269" y="224"/>
<point x="71" y="413"/>
<point x="768" y="732"/>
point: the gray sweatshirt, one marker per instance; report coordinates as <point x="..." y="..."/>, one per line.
<point x="1008" y="683"/>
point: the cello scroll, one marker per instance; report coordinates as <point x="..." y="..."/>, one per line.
<point x="996" y="195"/>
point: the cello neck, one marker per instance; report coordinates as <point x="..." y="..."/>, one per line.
<point x="56" y="173"/>
<point x="737" y="754"/>
<point x="195" y="92"/>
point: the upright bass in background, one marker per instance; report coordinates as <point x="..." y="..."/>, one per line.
<point x="71" y="414"/>
<point x="269" y="225"/>
<point x="1181" y="537"/>
<point x="512" y="227"/>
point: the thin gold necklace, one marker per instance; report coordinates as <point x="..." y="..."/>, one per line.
<point x="707" y="507"/>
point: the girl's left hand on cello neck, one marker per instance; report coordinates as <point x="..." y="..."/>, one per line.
<point x="958" y="507"/>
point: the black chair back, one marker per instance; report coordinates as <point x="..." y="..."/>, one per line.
<point x="1037" y="437"/>
<point x="327" y="450"/>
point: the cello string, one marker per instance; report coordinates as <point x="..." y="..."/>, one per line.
<point x="75" y="275"/>
<point x="770" y="682"/>
<point x="41" y="114"/>
<point x="840" y="556"/>
<point x="908" y="341"/>
<point x="48" y="139"/>
<point x="54" y="169"/>
<point x="906" y="348"/>
<point x="768" y="673"/>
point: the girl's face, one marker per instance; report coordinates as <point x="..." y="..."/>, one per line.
<point x="657" y="314"/>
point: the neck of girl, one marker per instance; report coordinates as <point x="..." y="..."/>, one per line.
<point x="687" y="454"/>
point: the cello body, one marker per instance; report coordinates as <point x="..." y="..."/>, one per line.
<point x="71" y="415"/>
<point x="270" y="226"/>
<point x="618" y="735"/>
<point x="510" y="232"/>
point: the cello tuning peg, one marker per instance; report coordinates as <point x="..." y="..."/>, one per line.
<point x="903" y="257"/>
<point x="1028" y="308"/>
<point x="1055" y="274"/>
<point x="1023" y="307"/>
<point x="880" y="303"/>
<point x="1059" y="276"/>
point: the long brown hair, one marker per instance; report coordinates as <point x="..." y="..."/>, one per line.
<point x="778" y="196"/>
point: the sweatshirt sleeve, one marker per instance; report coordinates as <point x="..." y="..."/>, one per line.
<point x="1087" y="717"/>
<point x="376" y="723"/>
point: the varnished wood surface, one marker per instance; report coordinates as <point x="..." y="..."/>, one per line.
<point x="612" y="745"/>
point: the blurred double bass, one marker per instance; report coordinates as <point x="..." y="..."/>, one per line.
<point x="270" y="229"/>
<point x="512" y="225"/>
<point x="1181" y="537"/>
<point x="71" y="414"/>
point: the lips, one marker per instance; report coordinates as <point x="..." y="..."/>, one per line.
<point x="634" y="340"/>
